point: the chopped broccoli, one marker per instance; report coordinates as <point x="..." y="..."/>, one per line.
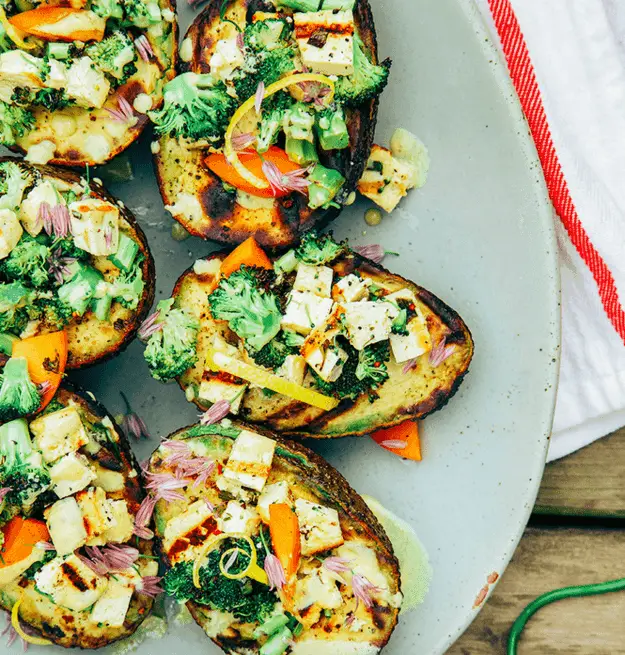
<point x="15" y="121"/>
<point x="14" y="180"/>
<point x="317" y="249"/>
<point x="251" y="312"/>
<point x="67" y="248"/>
<point x="113" y="54"/>
<point x="270" y="126"/>
<point x="18" y="394"/>
<point x="128" y="286"/>
<point x="53" y="311"/>
<point x="248" y="600"/>
<point x="14" y="301"/>
<point x="267" y="34"/>
<point x="360" y="373"/>
<point x="275" y="352"/>
<point x="268" y="67"/>
<point x="172" y="350"/>
<point x="81" y="289"/>
<point x="299" y="121"/>
<point x="22" y="468"/>
<point x="195" y="107"/>
<point x="108" y="9"/>
<point x="52" y="99"/>
<point x="292" y="339"/>
<point x="367" y="81"/>
<point x="399" y="325"/>
<point x="142" y="14"/>
<point x="28" y="262"/>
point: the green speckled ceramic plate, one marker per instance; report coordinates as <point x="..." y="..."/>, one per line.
<point x="479" y="235"/>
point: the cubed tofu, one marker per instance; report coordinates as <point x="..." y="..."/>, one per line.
<point x="186" y="530"/>
<point x="10" y="232"/>
<point x="65" y="525"/>
<point x="386" y="180"/>
<point x="19" y="69"/>
<point x="95" y="225"/>
<point x="317" y="588"/>
<point x="319" y="526"/>
<point x="222" y="386"/>
<point x="414" y="344"/>
<point x="351" y="288"/>
<point x="367" y="322"/>
<point x="305" y="311"/>
<point x="333" y="363"/>
<point x="124" y="524"/>
<point x="364" y="561"/>
<point x="273" y="494"/>
<point x="226" y="59"/>
<point x="29" y="210"/>
<point x="87" y="84"/>
<point x="326" y="41"/>
<point x="250" y="460"/>
<point x="238" y="519"/>
<point x="59" y="433"/>
<point x="293" y="369"/>
<point x="97" y="515"/>
<point x="112" y="606"/>
<point x="57" y="75"/>
<point x="110" y="481"/>
<point x="70" y="583"/>
<point x="317" y="279"/>
<point x="72" y="473"/>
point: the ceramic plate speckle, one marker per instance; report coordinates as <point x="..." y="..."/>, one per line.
<point x="479" y="235"/>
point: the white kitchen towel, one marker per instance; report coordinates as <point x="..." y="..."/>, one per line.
<point x="576" y="54"/>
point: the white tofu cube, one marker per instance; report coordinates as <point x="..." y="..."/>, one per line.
<point x="319" y="527"/>
<point x="95" y="226"/>
<point x="10" y="232"/>
<point x="273" y="494"/>
<point x="226" y="59"/>
<point x="185" y="531"/>
<point x="57" y="75"/>
<point x="59" y="433"/>
<point x="237" y="519"/>
<point x="65" y="525"/>
<point x="305" y="311"/>
<point x="293" y="369"/>
<point x="367" y="322"/>
<point x="71" y="474"/>
<point x="414" y="344"/>
<point x="121" y="531"/>
<point x="250" y="460"/>
<point x="87" y="84"/>
<point x="386" y="180"/>
<point x="318" y="588"/>
<point x="29" y="210"/>
<point x="97" y="515"/>
<point x="222" y="386"/>
<point x="317" y="279"/>
<point x="19" y="69"/>
<point x="110" y="481"/>
<point x="333" y="363"/>
<point x="70" y="583"/>
<point x="112" y="606"/>
<point x="351" y="288"/>
<point x="326" y="41"/>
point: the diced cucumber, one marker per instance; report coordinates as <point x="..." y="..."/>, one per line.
<point x="126" y="253"/>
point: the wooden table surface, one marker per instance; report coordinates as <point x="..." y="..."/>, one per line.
<point x="576" y="536"/>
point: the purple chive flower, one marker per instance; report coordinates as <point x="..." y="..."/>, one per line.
<point x="150" y="326"/>
<point x="363" y="589"/>
<point x="150" y="586"/>
<point x="374" y="251"/>
<point x="132" y="424"/>
<point x="231" y="560"/>
<point x="165" y="486"/>
<point x="337" y="564"/>
<point x="3" y="493"/>
<point x="395" y="444"/>
<point x="144" y="516"/>
<point x="59" y="266"/>
<point x="108" y="236"/>
<point x="441" y="352"/>
<point x="240" y="41"/>
<point x="216" y="413"/>
<point x="275" y="572"/>
<point x="260" y="96"/>
<point x="124" y="112"/>
<point x="186" y="464"/>
<point x="409" y="365"/>
<point x="144" y="48"/>
<point x="45" y="545"/>
<point x="142" y="532"/>
<point x="179" y="452"/>
<point x="242" y="141"/>
<point x="211" y="507"/>
<point x="109" y="558"/>
<point x="56" y="219"/>
<point x="10" y="634"/>
<point x="285" y="182"/>
<point x="314" y="92"/>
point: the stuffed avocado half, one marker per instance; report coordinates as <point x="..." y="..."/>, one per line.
<point x="321" y="342"/>
<point x="72" y="570"/>
<point x="77" y="80"/>
<point x="268" y="128"/>
<point x="269" y="546"/>
<point x="72" y="259"/>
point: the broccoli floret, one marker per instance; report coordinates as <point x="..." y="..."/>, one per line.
<point x="362" y="372"/>
<point x="367" y="81"/>
<point x="14" y="301"/>
<point x="21" y="468"/>
<point x="67" y="248"/>
<point x="81" y="289"/>
<point x="15" y="121"/>
<point x="54" y="312"/>
<point x="270" y="126"/>
<point x="113" y="54"/>
<point x="275" y="352"/>
<point x="400" y="322"/>
<point x="142" y="14"/>
<point x="249" y="601"/>
<point x="195" y="107"/>
<point x="251" y="312"/>
<point x="28" y="262"/>
<point x="52" y="99"/>
<point x="267" y="34"/>
<point x="14" y="180"/>
<point x="269" y="66"/>
<point x="128" y="286"/>
<point x="18" y="394"/>
<point x="172" y="350"/>
<point x="299" y="121"/>
<point x="317" y="249"/>
<point x="107" y="8"/>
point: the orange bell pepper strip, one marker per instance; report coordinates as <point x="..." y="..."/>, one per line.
<point x="249" y="253"/>
<point x="286" y="542"/>
<point x="219" y="165"/>
<point x="46" y="355"/>
<point x="20" y="538"/>
<point x="45" y="22"/>
<point x="402" y="439"/>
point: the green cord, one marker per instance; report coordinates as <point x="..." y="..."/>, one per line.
<point x="552" y="597"/>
